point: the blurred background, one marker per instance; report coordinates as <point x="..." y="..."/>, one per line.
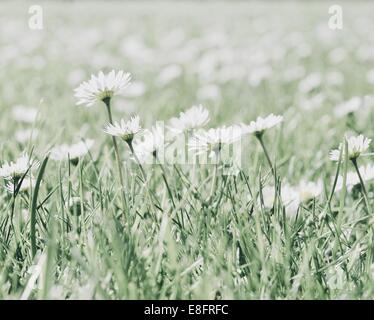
<point x="239" y="59"/>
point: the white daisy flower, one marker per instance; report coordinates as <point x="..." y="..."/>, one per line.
<point x="261" y="124"/>
<point x="136" y="89"/>
<point x="23" y="136"/>
<point x="308" y="190"/>
<point x="211" y="141"/>
<point x="101" y="87"/>
<point x="27" y="184"/>
<point x="168" y="74"/>
<point x="123" y="129"/>
<point x="195" y="117"/>
<point x="24" y="114"/>
<point x="370" y="76"/>
<point x="72" y="152"/>
<point x="151" y="143"/>
<point x="259" y="74"/>
<point x="367" y="174"/>
<point x="15" y="170"/>
<point x="289" y="197"/>
<point x="348" y="106"/>
<point x="311" y="82"/>
<point x="356" y="146"/>
<point x="293" y="196"/>
<point x="209" y="92"/>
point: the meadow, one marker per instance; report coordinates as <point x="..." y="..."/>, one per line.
<point x="89" y="210"/>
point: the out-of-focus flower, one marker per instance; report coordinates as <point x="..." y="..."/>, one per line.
<point x="136" y="89"/>
<point x="194" y="117"/>
<point x="352" y="179"/>
<point x="334" y="78"/>
<point x="169" y="74"/>
<point x="312" y="103"/>
<point x="101" y="87"/>
<point x="27" y="184"/>
<point x="76" y="76"/>
<point x="308" y="190"/>
<point x="293" y="73"/>
<point x="356" y="146"/>
<point x="258" y="75"/>
<point x="25" y="135"/>
<point x="72" y="152"/>
<point x="293" y="196"/>
<point x="209" y="92"/>
<point x="124" y="129"/>
<point x="24" y="114"/>
<point x="17" y="169"/>
<point x="211" y="141"/>
<point x="261" y="124"/>
<point x="370" y="76"/>
<point x="289" y="197"/>
<point x="311" y="82"/>
<point x="347" y="107"/>
<point x="338" y="55"/>
<point x="150" y="145"/>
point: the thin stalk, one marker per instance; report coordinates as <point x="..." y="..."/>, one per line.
<point x="214" y="180"/>
<point x="12" y="208"/>
<point x="144" y="176"/>
<point x="259" y="137"/>
<point x="137" y="160"/>
<point x="33" y="209"/>
<point x="364" y="192"/>
<point x="118" y="159"/>
<point x="167" y="184"/>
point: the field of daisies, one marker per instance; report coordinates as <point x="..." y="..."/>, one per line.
<point x="186" y="151"/>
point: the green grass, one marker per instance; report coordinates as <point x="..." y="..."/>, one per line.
<point x="175" y="244"/>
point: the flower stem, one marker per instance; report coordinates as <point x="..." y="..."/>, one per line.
<point x="107" y="103"/>
<point x="144" y="176"/>
<point x="167" y="185"/>
<point x="137" y="161"/>
<point x="11" y="227"/>
<point x="215" y="172"/>
<point x="364" y="192"/>
<point x="259" y="137"/>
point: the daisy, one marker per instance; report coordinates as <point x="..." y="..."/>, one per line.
<point x="352" y="179"/>
<point x="308" y="190"/>
<point x="293" y="196"/>
<point x="27" y="184"/>
<point x="23" y="136"/>
<point x="289" y="197"/>
<point x="150" y="145"/>
<point x="211" y="141"/>
<point x="311" y="82"/>
<point x="195" y="117"/>
<point x="168" y="74"/>
<point x="24" y="114"/>
<point x="124" y="130"/>
<point x="349" y="106"/>
<point x="72" y="152"/>
<point x="136" y="89"/>
<point x="101" y="87"/>
<point x="209" y="92"/>
<point x="15" y="170"/>
<point x="356" y="146"/>
<point x="259" y="126"/>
